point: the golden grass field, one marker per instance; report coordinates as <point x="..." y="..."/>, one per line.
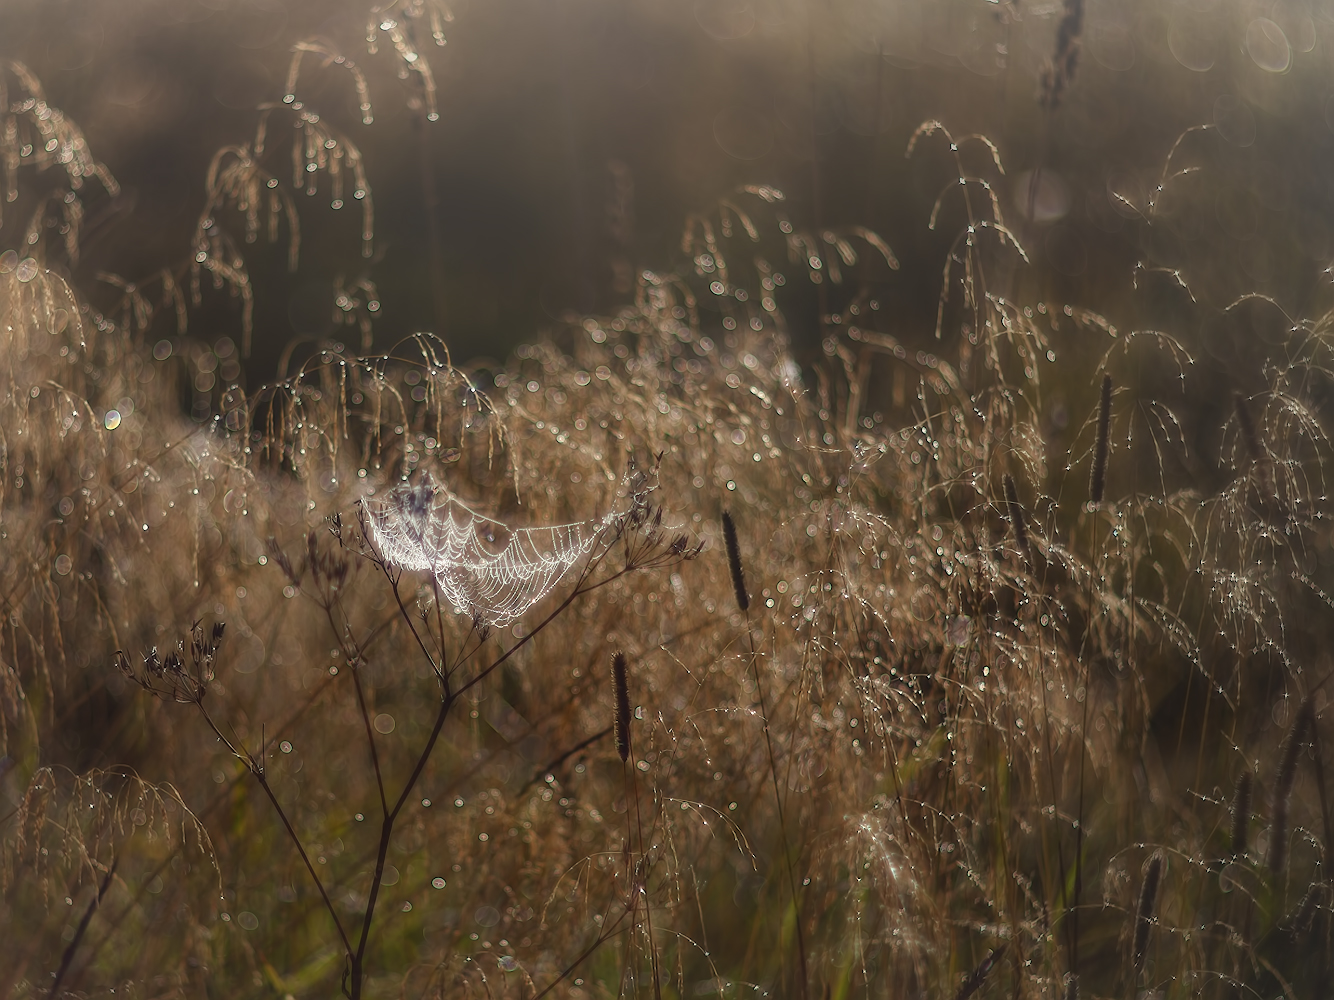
<point x="701" y="646"/>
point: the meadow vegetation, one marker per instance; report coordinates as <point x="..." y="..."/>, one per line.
<point x="986" y="659"/>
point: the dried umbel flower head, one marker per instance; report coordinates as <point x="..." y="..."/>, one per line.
<point x="176" y="676"/>
<point x="734" y="562"/>
<point x="622" y="688"/>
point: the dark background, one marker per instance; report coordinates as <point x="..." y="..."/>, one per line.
<point x="574" y="136"/>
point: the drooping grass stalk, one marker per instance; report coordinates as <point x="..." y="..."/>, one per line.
<point x="1144" y="912"/>
<point x="1241" y="814"/>
<point x="1017" y="520"/>
<point x="1284" y="777"/>
<point x="978" y="976"/>
<point x="1101" y="446"/>
<point x="1250" y="437"/>
<point x="743" y="602"/>
<point x="67" y="959"/>
<point x="1097" y="489"/>
<point x="638" y="870"/>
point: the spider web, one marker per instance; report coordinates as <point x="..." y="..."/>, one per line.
<point x="485" y="569"/>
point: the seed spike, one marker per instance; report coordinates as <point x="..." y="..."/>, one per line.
<point x="734" y="562"/>
<point x="1148" y="899"/>
<point x="621" y="684"/>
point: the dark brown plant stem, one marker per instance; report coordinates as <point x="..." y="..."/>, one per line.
<point x="612" y="928"/>
<point x="1097" y="487"/>
<point x="743" y="601"/>
<point x="1098" y="475"/>
<point x="305" y="858"/>
<point x="1324" y="792"/>
<point x="256" y="768"/>
<point x="556" y="762"/>
<point x="623" y="716"/>
<point x="979" y="975"/>
<point x="354" y="669"/>
<point x="67" y="959"/>
<point x="386" y="835"/>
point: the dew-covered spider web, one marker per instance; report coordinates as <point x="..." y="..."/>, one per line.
<point x="485" y="569"/>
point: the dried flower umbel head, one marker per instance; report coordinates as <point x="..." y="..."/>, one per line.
<point x="181" y="676"/>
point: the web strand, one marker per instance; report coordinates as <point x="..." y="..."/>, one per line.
<point x="484" y="568"/>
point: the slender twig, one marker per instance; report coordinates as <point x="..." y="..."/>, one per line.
<point x="256" y="768"/>
<point x="67" y="958"/>
<point x="352" y="656"/>
<point x="558" y="761"/>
